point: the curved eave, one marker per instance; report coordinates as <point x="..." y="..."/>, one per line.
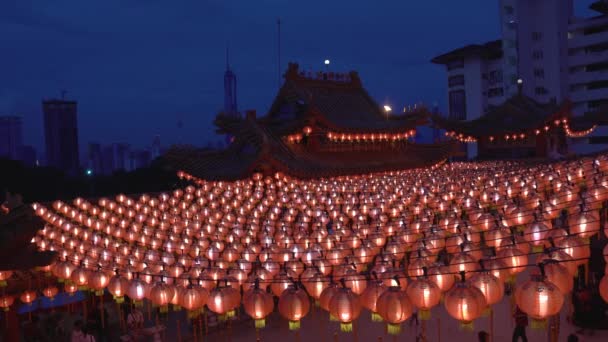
<point x="486" y="126"/>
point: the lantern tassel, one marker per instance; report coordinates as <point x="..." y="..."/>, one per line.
<point x="539" y="324"/>
<point x="486" y="312"/>
<point x="467" y="326"/>
<point x="376" y="317"/>
<point x="393" y="329"/>
<point x="294" y="325"/>
<point x="332" y="318"/>
<point x="424" y="314"/>
<point x="346" y="327"/>
<point x="260" y="323"/>
<point x="119" y="299"/>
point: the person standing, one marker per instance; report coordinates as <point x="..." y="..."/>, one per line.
<point x="521" y="322"/>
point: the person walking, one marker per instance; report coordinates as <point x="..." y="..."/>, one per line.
<point x="521" y="322"/>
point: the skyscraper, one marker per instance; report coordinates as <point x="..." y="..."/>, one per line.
<point x="11" y="131"/>
<point x="156" y="149"/>
<point x="230" y="107"/>
<point x="61" y="134"/>
<point x="95" y="156"/>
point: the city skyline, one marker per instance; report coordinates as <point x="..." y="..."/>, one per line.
<point x="158" y="79"/>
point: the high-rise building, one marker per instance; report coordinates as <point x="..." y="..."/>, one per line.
<point x="156" y="148"/>
<point x="230" y="101"/>
<point x="546" y="50"/>
<point x="11" y="137"/>
<point x="61" y="135"/>
<point x="95" y="159"/>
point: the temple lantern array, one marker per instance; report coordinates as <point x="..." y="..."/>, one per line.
<point x="322" y="239"/>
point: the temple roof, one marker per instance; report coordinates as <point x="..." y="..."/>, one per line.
<point x="590" y="119"/>
<point x="600" y="6"/>
<point x="335" y="100"/>
<point x="488" y="50"/>
<point x="257" y="149"/>
<point x="518" y="114"/>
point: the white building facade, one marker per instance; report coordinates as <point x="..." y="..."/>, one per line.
<point x="557" y="57"/>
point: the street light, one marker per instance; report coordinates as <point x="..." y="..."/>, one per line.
<point x="327" y="62"/>
<point x="387" y="108"/>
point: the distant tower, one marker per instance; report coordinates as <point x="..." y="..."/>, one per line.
<point x="155" y="153"/>
<point x="11" y="131"/>
<point x="230" y="107"/>
<point x="61" y="134"/>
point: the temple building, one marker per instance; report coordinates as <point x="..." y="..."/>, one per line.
<point x="321" y="124"/>
<point x="521" y="127"/>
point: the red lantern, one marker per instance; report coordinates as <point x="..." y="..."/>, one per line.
<point x="539" y="299"/>
<point x="193" y="298"/>
<point x="346" y="307"/>
<point x="293" y="306"/>
<point x="118" y="286"/>
<point x="394" y="307"/>
<point x="6" y="301"/>
<point x="258" y="304"/>
<point x="50" y="292"/>
<point x="28" y="297"/>
<point x="424" y="294"/>
<point x="465" y="303"/>
<point x="369" y="298"/>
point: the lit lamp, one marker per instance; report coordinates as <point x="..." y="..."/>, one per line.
<point x="520" y="85"/>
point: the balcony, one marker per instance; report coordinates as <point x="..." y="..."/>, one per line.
<point x="583" y="77"/>
<point x="583" y="58"/>
<point x="589" y="95"/>
<point x="580" y="40"/>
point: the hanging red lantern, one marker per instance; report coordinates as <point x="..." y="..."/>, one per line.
<point x="6" y="301"/>
<point x="559" y="276"/>
<point x="293" y="306"/>
<point x="441" y="276"/>
<point x="50" y="292"/>
<point x="465" y="303"/>
<point x="161" y="295"/>
<point x="28" y="297"/>
<point x="491" y="287"/>
<point x="118" y="286"/>
<point x="193" y="298"/>
<point x="395" y="308"/>
<point x="258" y="304"/>
<point x="345" y="306"/>
<point x="369" y="298"/>
<point x="223" y="300"/>
<point x="70" y="288"/>
<point x="4" y="276"/>
<point x="424" y="294"/>
<point x="539" y="298"/>
<point x="98" y="281"/>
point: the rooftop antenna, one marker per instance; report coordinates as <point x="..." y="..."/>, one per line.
<point x="227" y="57"/>
<point x="279" y="50"/>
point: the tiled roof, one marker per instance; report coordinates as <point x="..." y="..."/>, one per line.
<point x="342" y="104"/>
<point x="488" y="50"/>
<point x="267" y="151"/>
<point x="517" y="114"/>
